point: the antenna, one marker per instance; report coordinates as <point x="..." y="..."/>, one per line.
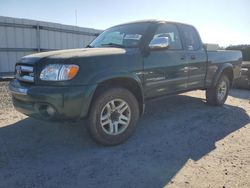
<point x="76" y="16"/>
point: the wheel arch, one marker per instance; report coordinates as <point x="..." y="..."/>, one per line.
<point x="225" y="69"/>
<point x="131" y="83"/>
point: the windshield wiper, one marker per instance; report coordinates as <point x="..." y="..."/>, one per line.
<point x="113" y="45"/>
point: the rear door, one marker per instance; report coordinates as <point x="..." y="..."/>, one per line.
<point x="165" y="70"/>
<point x="196" y="57"/>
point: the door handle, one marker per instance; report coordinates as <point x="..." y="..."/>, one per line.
<point x="192" y="57"/>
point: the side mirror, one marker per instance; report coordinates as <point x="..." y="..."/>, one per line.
<point x="159" y="43"/>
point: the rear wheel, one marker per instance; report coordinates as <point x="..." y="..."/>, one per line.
<point x="217" y="95"/>
<point x="113" y="116"/>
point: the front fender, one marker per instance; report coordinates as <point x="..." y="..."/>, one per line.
<point x="108" y="75"/>
<point x="135" y="77"/>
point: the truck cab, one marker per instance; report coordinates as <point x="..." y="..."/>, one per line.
<point x="181" y="67"/>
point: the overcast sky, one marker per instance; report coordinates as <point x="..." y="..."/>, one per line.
<point x="219" y="21"/>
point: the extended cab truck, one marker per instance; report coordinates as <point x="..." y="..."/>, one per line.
<point x="110" y="80"/>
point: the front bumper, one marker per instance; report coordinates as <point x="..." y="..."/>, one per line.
<point x="52" y="102"/>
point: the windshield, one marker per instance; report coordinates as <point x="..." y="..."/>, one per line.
<point x="124" y="36"/>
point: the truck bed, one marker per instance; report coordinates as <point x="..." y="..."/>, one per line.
<point x="218" y="59"/>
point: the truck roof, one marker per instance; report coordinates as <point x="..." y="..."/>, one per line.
<point x="154" y="21"/>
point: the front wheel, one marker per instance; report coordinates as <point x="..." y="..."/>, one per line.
<point x="113" y="116"/>
<point x="217" y="95"/>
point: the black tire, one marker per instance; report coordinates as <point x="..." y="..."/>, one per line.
<point x="213" y="93"/>
<point x="102" y="102"/>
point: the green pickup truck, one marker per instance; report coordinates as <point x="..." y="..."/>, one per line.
<point x="111" y="79"/>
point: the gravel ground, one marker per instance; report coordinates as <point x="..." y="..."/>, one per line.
<point x="180" y="142"/>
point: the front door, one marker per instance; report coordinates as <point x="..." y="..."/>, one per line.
<point x="166" y="70"/>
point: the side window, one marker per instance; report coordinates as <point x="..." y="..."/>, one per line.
<point x="192" y="41"/>
<point x="170" y="31"/>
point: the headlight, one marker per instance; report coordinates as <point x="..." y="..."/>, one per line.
<point x="59" y="72"/>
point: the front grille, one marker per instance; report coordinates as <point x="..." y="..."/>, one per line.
<point x="25" y="73"/>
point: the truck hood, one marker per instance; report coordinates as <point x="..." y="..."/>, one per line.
<point x="73" y="53"/>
